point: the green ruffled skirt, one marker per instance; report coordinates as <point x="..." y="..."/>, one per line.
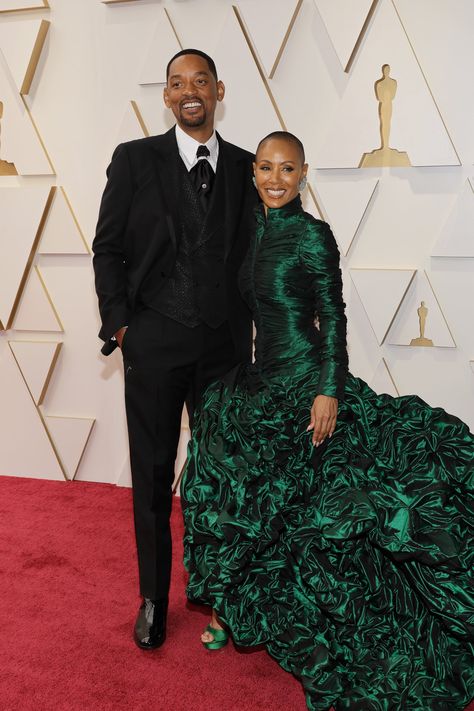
<point x="352" y="562"/>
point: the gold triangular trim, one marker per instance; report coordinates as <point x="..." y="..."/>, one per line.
<point x="35" y="55"/>
<point x="31" y="257"/>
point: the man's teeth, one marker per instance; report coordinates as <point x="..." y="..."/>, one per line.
<point x="192" y="105"/>
<point x="275" y="193"/>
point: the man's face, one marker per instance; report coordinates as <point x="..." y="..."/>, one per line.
<point x="192" y="93"/>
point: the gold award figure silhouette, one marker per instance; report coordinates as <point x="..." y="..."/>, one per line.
<point x="422" y="312"/>
<point x="385" y="90"/>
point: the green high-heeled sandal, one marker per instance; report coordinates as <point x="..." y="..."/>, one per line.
<point x="221" y="637"/>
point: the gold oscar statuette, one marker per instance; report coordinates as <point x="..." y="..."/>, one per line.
<point x="421" y="340"/>
<point x="385" y="90"/>
<point x="6" y="168"/>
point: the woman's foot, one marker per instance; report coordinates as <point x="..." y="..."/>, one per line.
<point x="215" y="636"/>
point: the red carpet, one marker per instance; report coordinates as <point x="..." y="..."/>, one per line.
<point x="68" y="602"/>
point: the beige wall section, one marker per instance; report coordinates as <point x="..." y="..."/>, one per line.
<point x="405" y="234"/>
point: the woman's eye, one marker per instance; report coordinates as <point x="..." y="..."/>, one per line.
<point x="288" y="169"/>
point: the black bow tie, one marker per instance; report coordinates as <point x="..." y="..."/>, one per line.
<point x="203" y="175"/>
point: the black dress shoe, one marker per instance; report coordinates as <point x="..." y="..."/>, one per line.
<point x="150" y="627"/>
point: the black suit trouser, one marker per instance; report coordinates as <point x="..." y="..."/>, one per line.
<point x="166" y="365"/>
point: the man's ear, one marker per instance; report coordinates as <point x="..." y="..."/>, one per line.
<point x="166" y="97"/>
<point x="220" y="90"/>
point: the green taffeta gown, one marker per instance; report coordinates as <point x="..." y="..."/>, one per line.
<point x="353" y="561"/>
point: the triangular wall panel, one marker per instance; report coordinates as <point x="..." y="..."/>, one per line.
<point x="23" y="211"/>
<point x="345" y="23"/>
<point x="163" y="46"/>
<point x="36" y="311"/>
<point x="381" y="292"/>
<point x="382" y="381"/>
<point x="355" y="196"/>
<point x="61" y="232"/>
<point x="70" y="436"/>
<point x="21" y="44"/>
<point x="269" y="45"/>
<point x="25" y="447"/>
<point x="36" y="361"/>
<point x="457" y="236"/>
<point x="355" y="127"/>
<point x="406" y="325"/>
<point x="20" y="145"/>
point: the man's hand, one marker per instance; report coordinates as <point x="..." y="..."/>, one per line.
<point x="120" y="334"/>
<point x="323" y="418"/>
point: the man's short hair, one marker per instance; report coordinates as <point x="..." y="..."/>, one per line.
<point x="183" y="52"/>
<point x="285" y="136"/>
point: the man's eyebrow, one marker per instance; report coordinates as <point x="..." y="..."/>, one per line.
<point x="196" y="74"/>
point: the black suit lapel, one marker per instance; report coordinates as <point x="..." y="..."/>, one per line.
<point x="166" y="163"/>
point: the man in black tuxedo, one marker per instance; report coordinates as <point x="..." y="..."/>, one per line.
<point x="173" y="228"/>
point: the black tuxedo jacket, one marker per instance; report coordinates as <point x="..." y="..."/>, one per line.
<point x="138" y="228"/>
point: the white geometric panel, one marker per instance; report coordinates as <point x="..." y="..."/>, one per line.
<point x="21" y="44"/>
<point x="416" y="125"/>
<point x="269" y="45"/>
<point x="22" y="210"/>
<point x="36" y="311"/>
<point x="20" y="144"/>
<point x="457" y="236"/>
<point x="382" y="381"/>
<point x="25" y="447"/>
<point x="132" y="125"/>
<point x="381" y="292"/>
<point x="61" y="232"/>
<point x="17" y="5"/>
<point x="36" y="361"/>
<point x="344" y="22"/>
<point x="407" y="324"/>
<point x="163" y="46"/>
<point x="262" y="119"/>
<point x="191" y="24"/>
<point x="70" y="436"/>
<point x="355" y="195"/>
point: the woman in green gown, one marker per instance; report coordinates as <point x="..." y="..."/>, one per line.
<point x="345" y="548"/>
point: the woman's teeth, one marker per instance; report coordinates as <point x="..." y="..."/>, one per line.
<point x="275" y="193"/>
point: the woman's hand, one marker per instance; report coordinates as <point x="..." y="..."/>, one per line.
<point x="323" y="418"/>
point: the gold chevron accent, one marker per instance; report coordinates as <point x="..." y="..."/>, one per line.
<point x="38" y="134"/>
<point x="426" y="80"/>
<point x="35" y="55"/>
<point x="49" y="374"/>
<point x="43" y="6"/>
<point x="391" y="376"/>
<point x="361" y="36"/>
<point x="48" y="296"/>
<point x="259" y="66"/>
<point x="76" y="221"/>
<point x="314" y="198"/>
<point x="31" y="257"/>
<point x="40" y="415"/>
<point x="140" y="118"/>
<point x="87" y="419"/>
<point x="402" y="298"/>
<point x="439" y="306"/>
<point x="285" y="39"/>
<point x="173" y="28"/>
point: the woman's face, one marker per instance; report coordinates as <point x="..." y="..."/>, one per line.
<point x="278" y="169"/>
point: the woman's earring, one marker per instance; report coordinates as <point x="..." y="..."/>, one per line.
<point x="254" y="181"/>
<point x="302" y="184"/>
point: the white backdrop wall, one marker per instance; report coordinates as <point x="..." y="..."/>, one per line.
<point x="405" y="234"/>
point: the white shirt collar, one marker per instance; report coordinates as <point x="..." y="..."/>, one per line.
<point x="187" y="147"/>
